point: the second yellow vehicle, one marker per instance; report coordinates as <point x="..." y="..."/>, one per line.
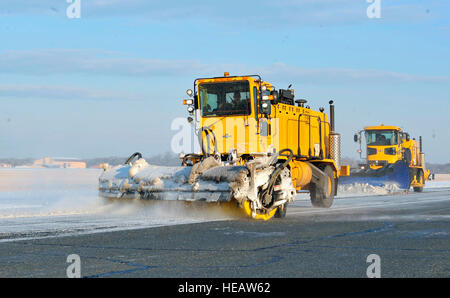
<point x="392" y="158"/>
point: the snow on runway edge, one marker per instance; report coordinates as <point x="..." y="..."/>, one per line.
<point x="39" y="203"/>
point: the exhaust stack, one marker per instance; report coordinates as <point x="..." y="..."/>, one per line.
<point x="422" y="155"/>
<point x="335" y="140"/>
<point x="332" y="127"/>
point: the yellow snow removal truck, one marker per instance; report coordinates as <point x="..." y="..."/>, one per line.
<point x="392" y="158"/>
<point x="258" y="146"/>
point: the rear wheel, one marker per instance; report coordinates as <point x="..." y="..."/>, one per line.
<point x="322" y="195"/>
<point x="281" y="211"/>
<point x="419" y="179"/>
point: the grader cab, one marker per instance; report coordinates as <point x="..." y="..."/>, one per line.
<point x="392" y="158"/>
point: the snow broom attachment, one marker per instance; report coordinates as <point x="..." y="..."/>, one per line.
<point x="140" y="180"/>
<point x="259" y="187"/>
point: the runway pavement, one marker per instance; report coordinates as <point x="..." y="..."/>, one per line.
<point x="409" y="233"/>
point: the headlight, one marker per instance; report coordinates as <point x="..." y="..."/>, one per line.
<point x="189" y="92"/>
<point x="190" y="109"/>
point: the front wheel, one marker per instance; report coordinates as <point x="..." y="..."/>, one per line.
<point x="260" y="214"/>
<point x="322" y="195"/>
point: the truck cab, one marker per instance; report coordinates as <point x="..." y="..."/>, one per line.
<point x="388" y="145"/>
<point x="384" y="145"/>
<point x="239" y="119"/>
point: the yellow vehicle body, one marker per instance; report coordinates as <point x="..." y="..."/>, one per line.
<point x="399" y="147"/>
<point x="257" y="149"/>
<point x="304" y="131"/>
<point x="299" y="129"/>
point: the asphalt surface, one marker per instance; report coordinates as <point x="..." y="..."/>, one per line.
<point x="410" y="234"/>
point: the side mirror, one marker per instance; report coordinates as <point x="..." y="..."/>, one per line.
<point x="196" y="102"/>
<point x="356" y="138"/>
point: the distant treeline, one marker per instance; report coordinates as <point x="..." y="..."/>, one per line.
<point x="17" y="161"/>
<point x="168" y="158"/>
<point x="439" y="168"/>
<point x="171" y="159"/>
<point x="165" y="159"/>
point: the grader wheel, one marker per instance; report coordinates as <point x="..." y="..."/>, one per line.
<point x="322" y="195"/>
<point x="420" y="179"/>
<point x="281" y="211"/>
<point x="248" y="211"/>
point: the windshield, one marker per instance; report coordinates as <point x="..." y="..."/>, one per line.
<point x="225" y="99"/>
<point x="381" y="137"/>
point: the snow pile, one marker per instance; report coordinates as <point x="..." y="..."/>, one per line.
<point x="361" y="189"/>
<point x="437" y="184"/>
<point x="40" y="203"/>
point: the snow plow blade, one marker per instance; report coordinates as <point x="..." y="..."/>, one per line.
<point x="392" y="174"/>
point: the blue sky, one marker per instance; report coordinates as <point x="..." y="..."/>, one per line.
<point x="111" y="82"/>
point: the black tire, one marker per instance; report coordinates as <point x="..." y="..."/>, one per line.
<point x="420" y="177"/>
<point x="418" y="189"/>
<point x="322" y="196"/>
<point x="281" y="211"/>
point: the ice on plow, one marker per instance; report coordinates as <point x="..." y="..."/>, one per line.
<point x="210" y="180"/>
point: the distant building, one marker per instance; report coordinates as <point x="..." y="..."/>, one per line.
<point x="441" y="177"/>
<point x="97" y="166"/>
<point x="5" y="165"/>
<point x="59" y="162"/>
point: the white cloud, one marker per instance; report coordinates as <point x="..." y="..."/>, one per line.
<point x="446" y="29"/>
<point x="67" y="61"/>
<point x="347" y="75"/>
<point x="96" y="62"/>
<point x="261" y="13"/>
<point x="64" y="92"/>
